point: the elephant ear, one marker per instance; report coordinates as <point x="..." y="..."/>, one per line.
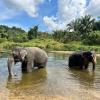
<point x="23" y="54"/>
<point x="87" y="55"/>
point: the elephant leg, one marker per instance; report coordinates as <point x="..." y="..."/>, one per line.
<point x="86" y="66"/>
<point x="81" y="67"/>
<point x="41" y="65"/>
<point x="24" y="66"/>
<point x="29" y="66"/>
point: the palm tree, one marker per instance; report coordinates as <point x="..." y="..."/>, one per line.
<point x="82" y="25"/>
<point x="74" y="25"/>
<point x="87" y="23"/>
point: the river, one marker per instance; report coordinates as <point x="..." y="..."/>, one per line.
<point x="55" y="82"/>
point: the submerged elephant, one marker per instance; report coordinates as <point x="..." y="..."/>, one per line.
<point x="82" y="60"/>
<point x="29" y="57"/>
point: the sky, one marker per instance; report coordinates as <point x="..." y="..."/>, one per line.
<point x="47" y="14"/>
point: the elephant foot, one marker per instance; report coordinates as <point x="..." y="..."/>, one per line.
<point x="24" y="66"/>
<point x="41" y="67"/>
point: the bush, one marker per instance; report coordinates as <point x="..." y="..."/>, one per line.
<point x="92" y="38"/>
<point x="2" y="40"/>
<point x="19" y="38"/>
<point x="71" y="36"/>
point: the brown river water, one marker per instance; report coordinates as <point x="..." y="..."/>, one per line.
<point x="55" y="82"/>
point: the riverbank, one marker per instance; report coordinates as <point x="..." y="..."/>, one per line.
<point x="50" y="45"/>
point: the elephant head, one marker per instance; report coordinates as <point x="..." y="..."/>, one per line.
<point x="89" y="57"/>
<point x="19" y="54"/>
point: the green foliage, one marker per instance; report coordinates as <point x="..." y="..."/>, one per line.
<point x="71" y="36"/>
<point x="2" y="40"/>
<point x="74" y="25"/>
<point x="12" y="34"/>
<point x="92" y="38"/>
<point x="50" y="44"/>
<point x="43" y="35"/>
<point x="82" y="25"/>
<point x="96" y="26"/>
<point x="33" y="33"/>
<point x="58" y="35"/>
<point x="20" y="38"/>
<point x="65" y="36"/>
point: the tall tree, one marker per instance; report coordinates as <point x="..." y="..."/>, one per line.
<point x="33" y="33"/>
<point x="74" y="25"/>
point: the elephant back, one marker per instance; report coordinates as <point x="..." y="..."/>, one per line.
<point x="37" y="54"/>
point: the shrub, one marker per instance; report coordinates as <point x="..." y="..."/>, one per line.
<point x="2" y="40"/>
<point x="92" y="38"/>
<point x="71" y="36"/>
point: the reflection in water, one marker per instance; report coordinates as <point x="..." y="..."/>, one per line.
<point x="30" y="84"/>
<point x="28" y="81"/>
<point x="86" y="78"/>
<point x="54" y="80"/>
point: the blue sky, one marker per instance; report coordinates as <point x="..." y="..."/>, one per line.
<point x="48" y="14"/>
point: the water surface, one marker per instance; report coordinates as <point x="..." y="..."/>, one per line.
<point x="55" y="82"/>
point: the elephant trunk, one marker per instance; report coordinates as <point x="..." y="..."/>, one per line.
<point x="10" y="63"/>
<point x="94" y="61"/>
<point x="93" y="66"/>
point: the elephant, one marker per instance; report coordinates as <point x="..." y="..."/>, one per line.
<point x="81" y="60"/>
<point x="29" y="57"/>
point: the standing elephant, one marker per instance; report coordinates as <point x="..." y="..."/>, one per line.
<point x="29" y="57"/>
<point x="82" y="60"/>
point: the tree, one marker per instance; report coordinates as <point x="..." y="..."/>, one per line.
<point x="74" y="25"/>
<point x="92" y="38"/>
<point x="87" y="23"/>
<point x="96" y="26"/>
<point x="33" y="33"/>
<point x="82" y="25"/>
<point x="59" y="35"/>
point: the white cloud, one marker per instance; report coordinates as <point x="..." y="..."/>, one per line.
<point x="94" y="8"/>
<point x="71" y="9"/>
<point x="52" y="23"/>
<point x="67" y="11"/>
<point x="13" y="7"/>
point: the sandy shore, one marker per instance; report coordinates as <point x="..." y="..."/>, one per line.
<point x="68" y="52"/>
<point x="57" y="97"/>
<point x="63" y="52"/>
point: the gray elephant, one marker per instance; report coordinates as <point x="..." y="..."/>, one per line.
<point x="81" y="60"/>
<point x="29" y="57"/>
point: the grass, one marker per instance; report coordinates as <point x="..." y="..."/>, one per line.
<point x="50" y="44"/>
